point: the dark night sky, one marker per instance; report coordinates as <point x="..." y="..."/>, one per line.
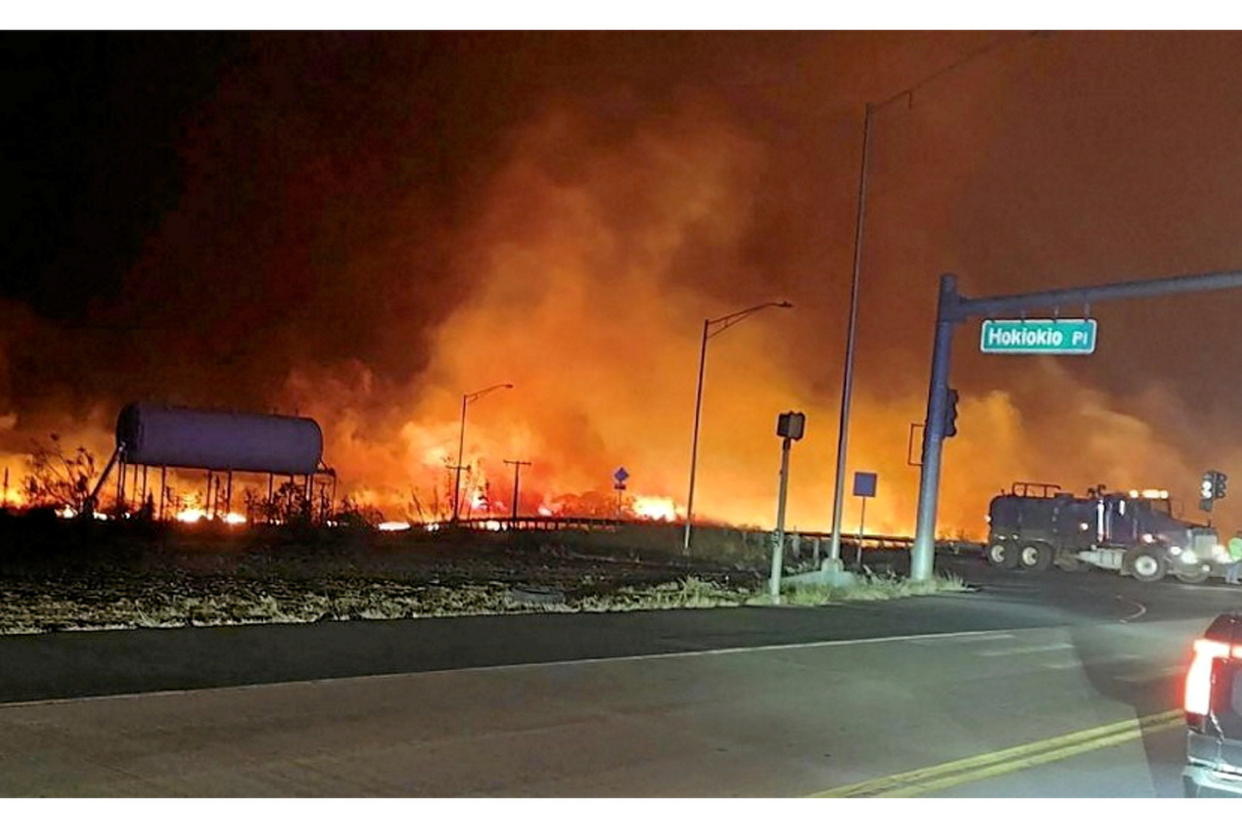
<point x="91" y="157"/>
<point x="229" y="219"/>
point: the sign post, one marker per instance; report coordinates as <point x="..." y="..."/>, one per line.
<point x="789" y="426"/>
<point x="864" y="487"/>
<point x="618" y="482"/>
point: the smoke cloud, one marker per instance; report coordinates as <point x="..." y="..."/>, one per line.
<point x="370" y="226"/>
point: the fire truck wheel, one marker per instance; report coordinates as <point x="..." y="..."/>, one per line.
<point x="1146" y="564"/>
<point x="1003" y="554"/>
<point x="1194" y="576"/>
<point x="1035" y="556"/>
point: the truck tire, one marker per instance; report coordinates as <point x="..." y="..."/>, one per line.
<point x="1146" y="564"/>
<point x="1196" y="576"/>
<point x="1034" y="555"/>
<point x="1003" y="554"/>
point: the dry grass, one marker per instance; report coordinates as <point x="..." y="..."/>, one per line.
<point x="177" y="599"/>
<point x="871" y="588"/>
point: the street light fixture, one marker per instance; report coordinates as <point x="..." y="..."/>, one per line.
<point x="719" y="324"/>
<point x="466" y="399"/>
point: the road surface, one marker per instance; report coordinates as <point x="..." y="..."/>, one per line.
<point x="1030" y="687"/>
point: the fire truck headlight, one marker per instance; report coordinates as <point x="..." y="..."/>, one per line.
<point x="1148" y="537"/>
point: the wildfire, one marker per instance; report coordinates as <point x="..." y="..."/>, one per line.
<point x="194" y="515"/>
<point x="655" y="508"/>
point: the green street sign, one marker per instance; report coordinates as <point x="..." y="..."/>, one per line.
<point x="1037" y="336"/>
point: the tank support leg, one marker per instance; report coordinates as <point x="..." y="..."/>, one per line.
<point x="120" y="487"/>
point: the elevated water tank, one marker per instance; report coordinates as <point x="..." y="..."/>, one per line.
<point x="155" y="435"/>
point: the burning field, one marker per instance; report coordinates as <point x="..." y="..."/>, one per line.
<point x="367" y="229"/>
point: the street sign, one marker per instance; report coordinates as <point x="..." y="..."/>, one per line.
<point x="1037" y="336"/>
<point x="864" y="484"/>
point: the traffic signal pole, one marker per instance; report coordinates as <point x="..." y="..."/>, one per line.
<point x="952" y="309"/>
<point x="924" y="552"/>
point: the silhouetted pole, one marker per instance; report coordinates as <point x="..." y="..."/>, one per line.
<point x="517" y="472"/>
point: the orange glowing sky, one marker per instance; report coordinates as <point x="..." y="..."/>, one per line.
<point x="401" y="219"/>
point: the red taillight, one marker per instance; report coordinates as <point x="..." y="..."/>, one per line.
<point x="1199" y="678"/>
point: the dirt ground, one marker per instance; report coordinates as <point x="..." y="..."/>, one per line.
<point x="83" y="574"/>
<point x="58" y="574"/>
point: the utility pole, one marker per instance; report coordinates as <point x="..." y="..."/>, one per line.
<point x="847" y="376"/>
<point x="517" y="472"/>
<point x="954" y="309"/>
<point x="721" y="324"/>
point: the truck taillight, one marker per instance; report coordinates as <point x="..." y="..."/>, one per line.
<point x="1199" y="677"/>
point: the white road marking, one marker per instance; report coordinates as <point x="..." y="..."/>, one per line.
<point x="1142" y="609"/>
<point x="805" y="645"/>
<point x="1200" y="588"/>
<point x="1038" y="648"/>
<point x="943" y="641"/>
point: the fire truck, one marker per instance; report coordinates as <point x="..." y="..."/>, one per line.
<point x="1036" y="526"/>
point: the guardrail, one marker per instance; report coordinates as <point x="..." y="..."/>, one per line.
<point x="560" y="523"/>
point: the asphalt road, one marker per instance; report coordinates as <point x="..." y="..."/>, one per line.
<point x="1030" y="687"/>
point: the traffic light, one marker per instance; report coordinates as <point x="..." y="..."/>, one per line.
<point x="1213" y="485"/>
<point x="950" y="413"/>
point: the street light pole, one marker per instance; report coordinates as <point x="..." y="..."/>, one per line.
<point x="722" y="323"/>
<point x="694" y="441"/>
<point x="461" y="447"/>
<point x="461" y="442"/>
<point x="847" y="377"/>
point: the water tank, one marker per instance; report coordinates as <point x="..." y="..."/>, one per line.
<point x="155" y="435"/>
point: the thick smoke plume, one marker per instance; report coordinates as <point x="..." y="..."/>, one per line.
<point x="369" y="227"/>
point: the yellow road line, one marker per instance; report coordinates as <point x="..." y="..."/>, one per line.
<point x="948" y="774"/>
